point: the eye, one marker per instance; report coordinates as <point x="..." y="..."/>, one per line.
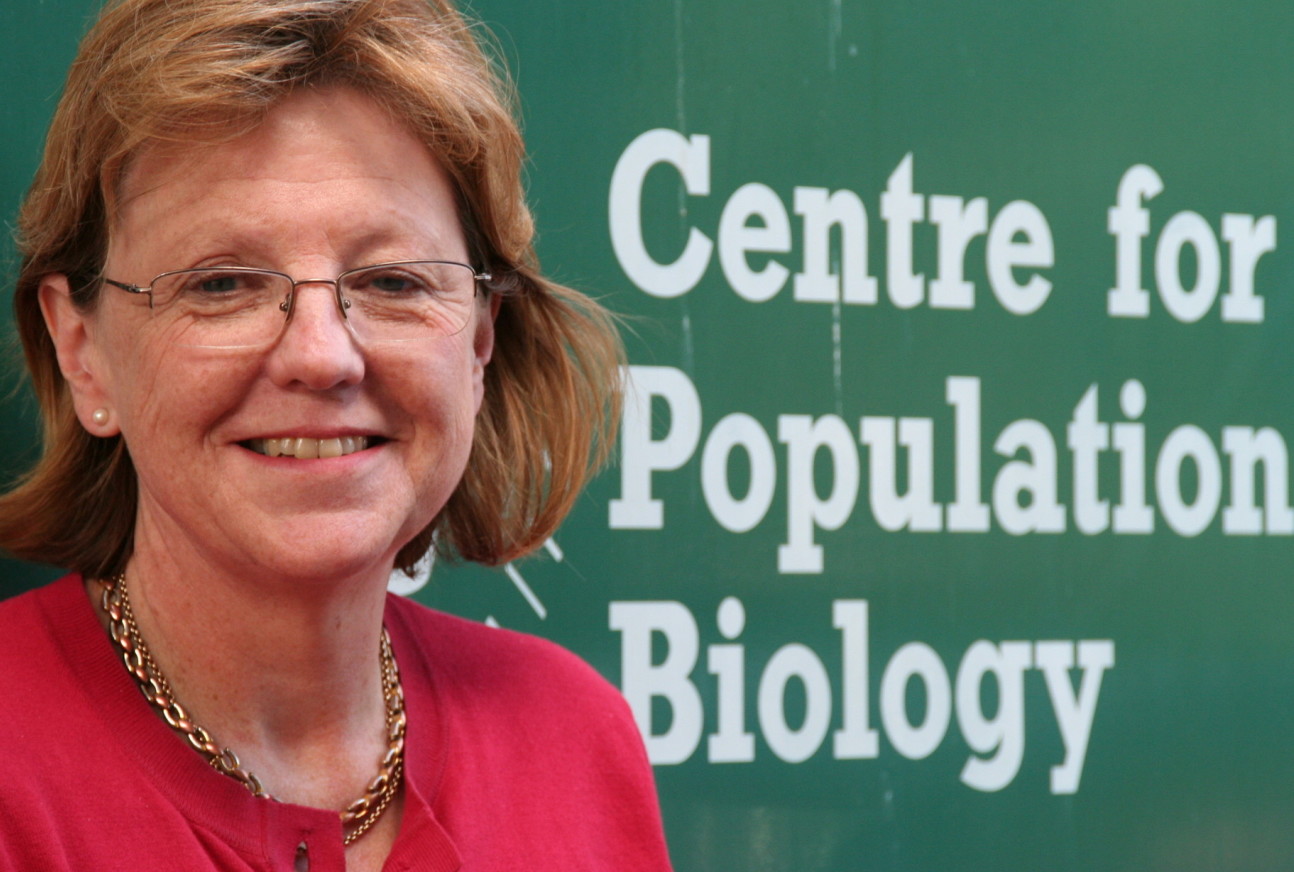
<point x="397" y="282"/>
<point x="393" y="283"/>
<point x="217" y="284"/>
<point x="220" y="289"/>
<point x="210" y="282"/>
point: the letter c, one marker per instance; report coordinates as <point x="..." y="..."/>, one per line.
<point x="691" y="157"/>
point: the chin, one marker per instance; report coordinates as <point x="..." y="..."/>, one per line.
<point x="320" y="559"/>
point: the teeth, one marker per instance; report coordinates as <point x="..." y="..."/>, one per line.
<point x="308" y="448"/>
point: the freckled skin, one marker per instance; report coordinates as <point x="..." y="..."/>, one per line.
<point x="327" y="183"/>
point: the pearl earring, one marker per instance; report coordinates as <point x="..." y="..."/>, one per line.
<point x="100" y="416"/>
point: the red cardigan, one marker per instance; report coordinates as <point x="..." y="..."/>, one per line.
<point x="518" y="756"/>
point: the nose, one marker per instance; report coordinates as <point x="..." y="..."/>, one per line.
<point x="290" y="303"/>
<point x="317" y="348"/>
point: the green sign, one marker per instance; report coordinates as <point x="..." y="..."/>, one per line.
<point x="950" y="524"/>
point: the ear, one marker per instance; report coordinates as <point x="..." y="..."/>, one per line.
<point x="72" y="331"/>
<point x="483" y="345"/>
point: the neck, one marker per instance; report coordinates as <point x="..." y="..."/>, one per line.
<point x="284" y="671"/>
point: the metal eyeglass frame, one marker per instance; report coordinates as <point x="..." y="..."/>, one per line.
<point x="290" y="302"/>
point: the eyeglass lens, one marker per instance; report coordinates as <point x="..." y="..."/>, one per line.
<point x="238" y="307"/>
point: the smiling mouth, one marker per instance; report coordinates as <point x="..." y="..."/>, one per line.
<point x="308" y="448"/>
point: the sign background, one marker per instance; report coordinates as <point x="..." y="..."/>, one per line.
<point x="1186" y="767"/>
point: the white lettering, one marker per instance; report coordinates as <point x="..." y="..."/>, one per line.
<point x="1003" y="734"/>
<point x="1036" y="476"/>
<point x="641" y="454"/>
<point x="806" y="511"/>
<point x="1248" y="448"/>
<point x="1005" y="254"/>
<point x="691" y="157"/>
<point x="821" y="212"/>
<point x="1129" y="222"/>
<point x="794" y="661"/>
<point x="914" y="682"/>
<point x="959" y="222"/>
<point x="915" y="660"/>
<point x="1248" y="241"/>
<point x="641" y="680"/>
<point x="738" y="237"/>
<point x="1183" y="229"/>
<point x="1074" y="712"/>
<point x="968" y="512"/>
<point x="856" y="739"/>
<point x="1188" y="519"/>
<point x="1087" y="437"/>
<point x="738" y="431"/>
<point x="901" y="208"/>
<point x="1131" y="514"/>
<point x="916" y="509"/>
<point x="731" y="742"/>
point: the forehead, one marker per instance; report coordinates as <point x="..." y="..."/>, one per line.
<point x="324" y="162"/>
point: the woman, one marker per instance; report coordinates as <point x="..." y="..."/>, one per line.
<point x="282" y="315"/>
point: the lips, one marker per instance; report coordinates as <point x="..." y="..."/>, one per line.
<point x="309" y="448"/>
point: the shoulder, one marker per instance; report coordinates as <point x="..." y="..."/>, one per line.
<point x="532" y="735"/>
<point x="51" y="648"/>
<point x="500" y="694"/>
<point x="489" y="681"/>
<point x="43" y="704"/>
<point x="28" y="631"/>
<point x="464" y="654"/>
<point x="25" y="606"/>
<point x="25" y="662"/>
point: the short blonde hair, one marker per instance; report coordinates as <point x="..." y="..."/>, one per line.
<point x="198" y="71"/>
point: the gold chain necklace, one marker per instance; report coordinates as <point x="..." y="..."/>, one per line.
<point x="357" y="817"/>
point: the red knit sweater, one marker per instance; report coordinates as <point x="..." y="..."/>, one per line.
<point x="518" y="756"/>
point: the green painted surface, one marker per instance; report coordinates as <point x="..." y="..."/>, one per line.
<point x="1008" y="101"/>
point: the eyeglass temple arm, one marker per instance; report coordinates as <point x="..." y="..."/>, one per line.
<point x="131" y="289"/>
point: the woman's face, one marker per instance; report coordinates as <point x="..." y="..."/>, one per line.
<point x="327" y="183"/>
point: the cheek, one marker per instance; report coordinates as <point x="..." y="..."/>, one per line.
<point x="165" y="398"/>
<point x="133" y="368"/>
<point x="441" y="395"/>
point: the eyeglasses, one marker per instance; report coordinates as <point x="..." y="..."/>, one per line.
<point x="243" y="307"/>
